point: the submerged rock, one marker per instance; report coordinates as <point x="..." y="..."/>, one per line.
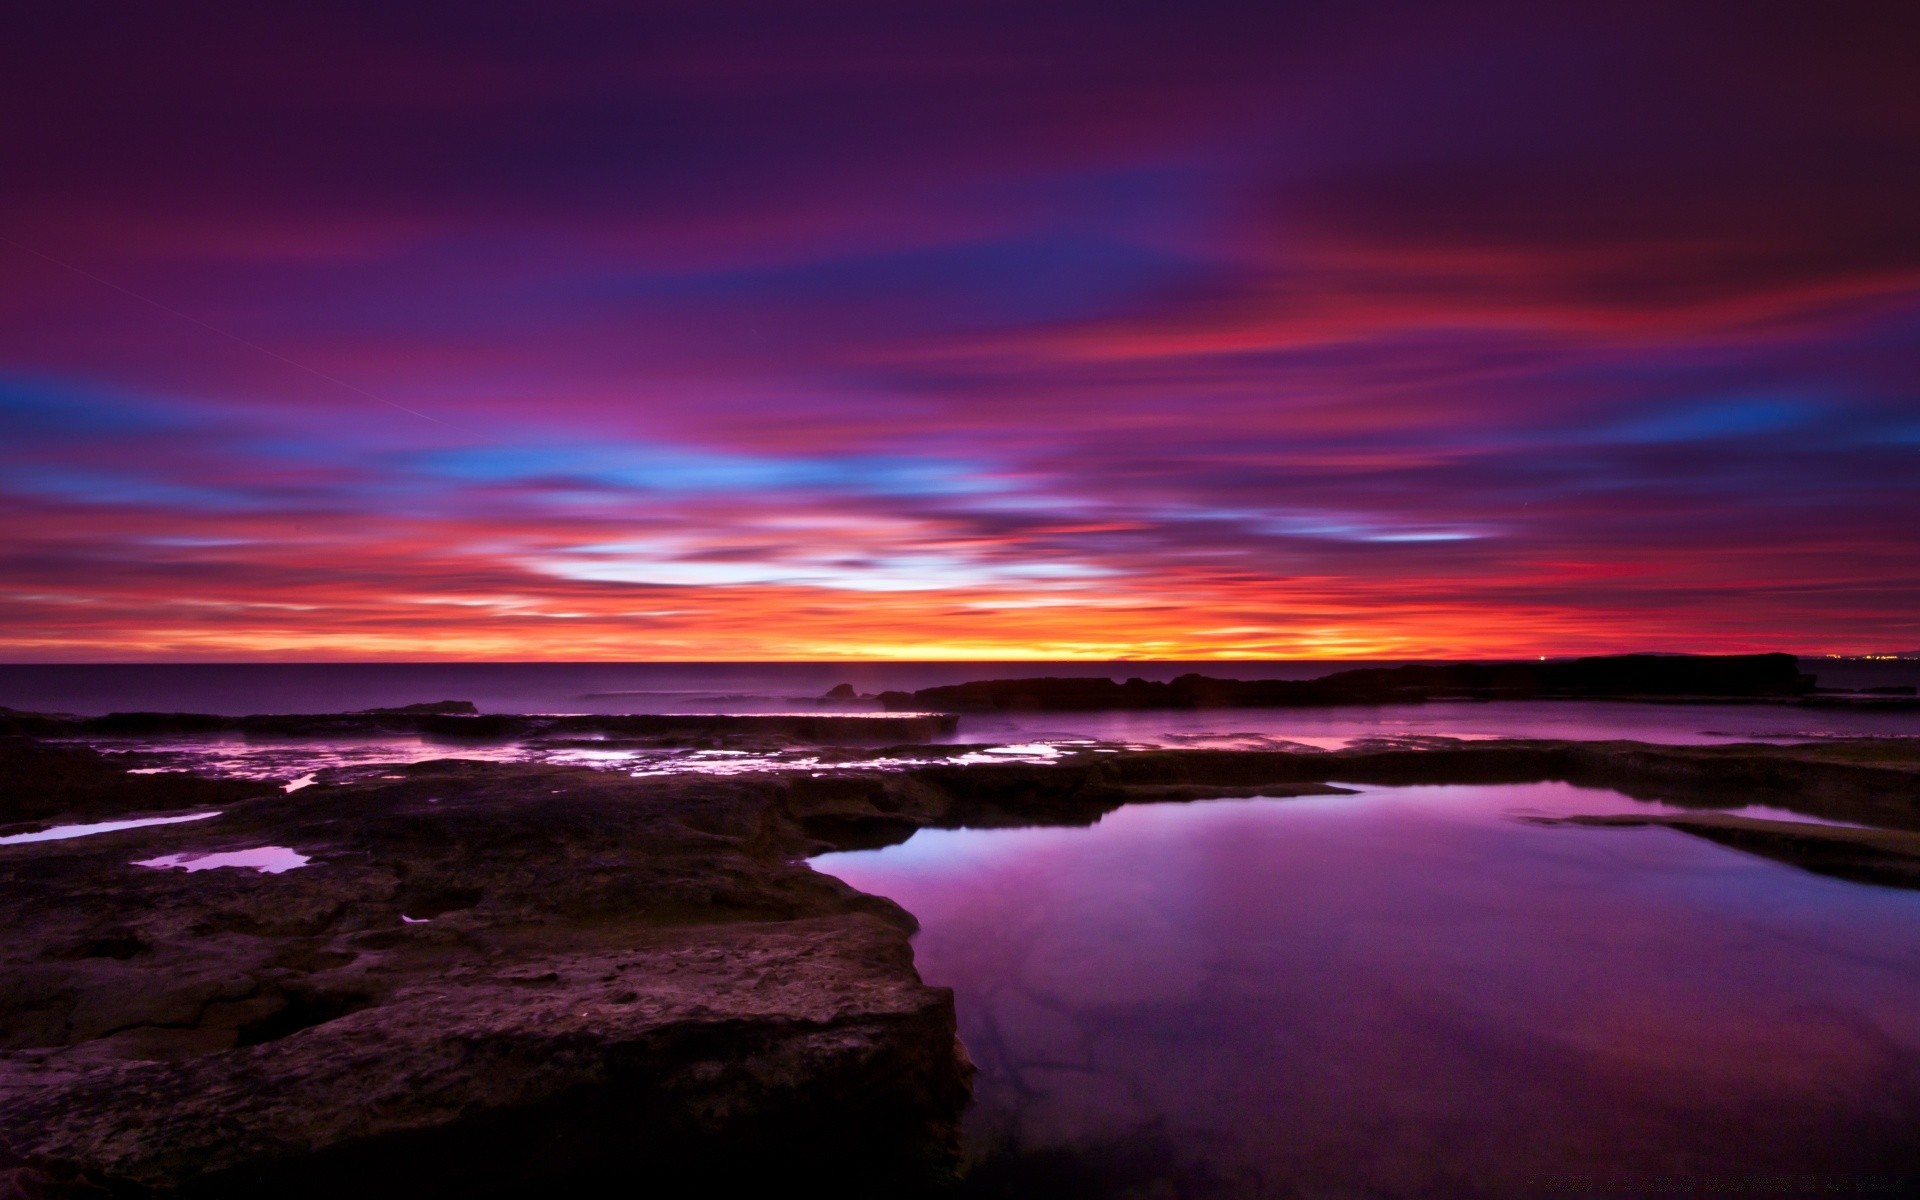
<point x="1889" y="857"/>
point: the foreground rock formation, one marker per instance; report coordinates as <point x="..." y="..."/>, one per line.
<point x="496" y="978"/>
<point x="489" y="979"/>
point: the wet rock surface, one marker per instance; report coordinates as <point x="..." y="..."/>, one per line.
<point x="1869" y="781"/>
<point x="42" y="783"/>
<point x="493" y="977"/>
<point x="489" y="978"/>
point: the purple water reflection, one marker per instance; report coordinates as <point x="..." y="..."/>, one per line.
<point x="1407" y="992"/>
<point x="268" y="860"/>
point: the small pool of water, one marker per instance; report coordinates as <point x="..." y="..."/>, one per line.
<point x="1410" y="992"/>
<point x="268" y="860"/>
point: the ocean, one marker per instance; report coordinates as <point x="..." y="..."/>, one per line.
<point x="241" y="688"/>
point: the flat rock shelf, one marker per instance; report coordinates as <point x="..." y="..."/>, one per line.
<point x="490" y="977"/>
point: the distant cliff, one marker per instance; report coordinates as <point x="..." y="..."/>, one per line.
<point x="1627" y="676"/>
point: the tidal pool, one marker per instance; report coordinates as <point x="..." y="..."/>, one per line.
<point x="268" y="860"/>
<point x="1413" y="992"/>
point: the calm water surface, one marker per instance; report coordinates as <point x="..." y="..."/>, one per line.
<point x="240" y="688"/>
<point x="1410" y="992"/>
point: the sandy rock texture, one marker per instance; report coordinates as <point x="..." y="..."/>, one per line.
<point x="487" y="979"/>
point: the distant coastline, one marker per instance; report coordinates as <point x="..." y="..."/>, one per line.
<point x="1768" y="678"/>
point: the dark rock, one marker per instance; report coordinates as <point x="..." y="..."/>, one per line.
<point x="1872" y="700"/>
<point x="825" y="729"/>
<point x="491" y="728"/>
<point x="45" y="784"/>
<point x="439" y="708"/>
<point x="1632" y="676"/>
<point x="841" y="691"/>
<point x="1871" y="782"/>
<point x="1879" y="856"/>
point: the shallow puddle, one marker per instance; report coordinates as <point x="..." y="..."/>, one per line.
<point x="268" y="860"/>
<point x="1408" y="992"/>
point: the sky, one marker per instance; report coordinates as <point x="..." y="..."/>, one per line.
<point x="747" y="329"/>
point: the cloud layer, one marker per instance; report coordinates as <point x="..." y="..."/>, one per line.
<point x="741" y="330"/>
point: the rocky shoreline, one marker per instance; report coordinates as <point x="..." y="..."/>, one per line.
<point x="492" y="977"/>
<point x="1644" y="678"/>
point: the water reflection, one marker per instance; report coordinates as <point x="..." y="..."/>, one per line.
<point x="268" y="860"/>
<point x="1408" y="992"/>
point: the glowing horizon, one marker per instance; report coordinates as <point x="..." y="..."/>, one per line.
<point x="720" y="333"/>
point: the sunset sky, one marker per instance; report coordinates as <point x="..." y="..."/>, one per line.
<point x="716" y="330"/>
